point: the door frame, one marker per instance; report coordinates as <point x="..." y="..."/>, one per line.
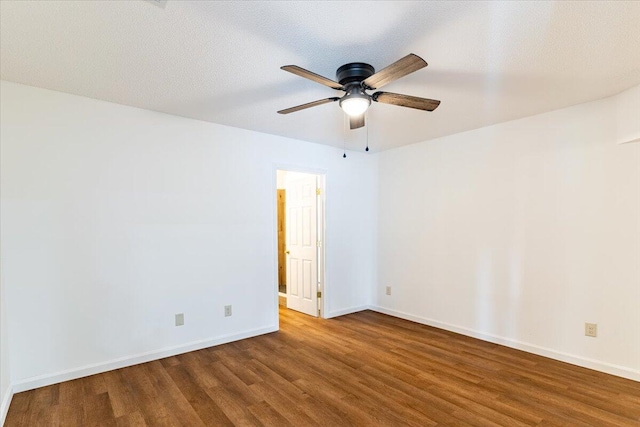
<point x="322" y="235"/>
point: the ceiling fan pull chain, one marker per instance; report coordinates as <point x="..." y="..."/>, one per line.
<point x="367" y="116"/>
<point x="344" y="144"/>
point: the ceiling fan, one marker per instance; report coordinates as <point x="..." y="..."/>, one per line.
<point x="356" y="78"/>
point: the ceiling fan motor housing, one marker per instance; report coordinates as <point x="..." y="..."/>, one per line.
<point x="354" y="72"/>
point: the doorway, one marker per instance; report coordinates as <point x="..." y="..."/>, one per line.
<point x="300" y="234"/>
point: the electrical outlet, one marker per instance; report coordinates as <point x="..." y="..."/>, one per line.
<point x="591" y="329"/>
<point x="388" y="290"/>
<point x="227" y="310"/>
<point x="179" y="319"/>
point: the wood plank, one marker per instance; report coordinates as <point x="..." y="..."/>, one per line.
<point x="198" y="399"/>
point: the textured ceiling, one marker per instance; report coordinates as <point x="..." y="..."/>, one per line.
<point x="489" y="62"/>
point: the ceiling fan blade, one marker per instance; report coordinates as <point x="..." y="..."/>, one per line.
<point x="312" y="76"/>
<point x="307" y="105"/>
<point x="356" y="122"/>
<point x="400" y="68"/>
<point x="406" y="101"/>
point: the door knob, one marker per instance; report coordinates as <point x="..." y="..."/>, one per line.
<point x="287" y="252"/>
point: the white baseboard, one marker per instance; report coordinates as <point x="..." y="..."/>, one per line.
<point x="45" y="380"/>
<point x="347" y="311"/>
<point x="4" y="405"/>
<point x="620" y="371"/>
<point x="97" y="368"/>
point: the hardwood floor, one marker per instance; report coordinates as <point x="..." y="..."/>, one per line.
<point x="364" y="369"/>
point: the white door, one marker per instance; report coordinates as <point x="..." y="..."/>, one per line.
<point x="302" y="250"/>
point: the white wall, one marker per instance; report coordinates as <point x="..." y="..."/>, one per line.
<point x="520" y="233"/>
<point x="116" y="218"/>
<point x="5" y="378"/>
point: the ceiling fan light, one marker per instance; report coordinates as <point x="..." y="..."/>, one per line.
<point x="354" y="105"/>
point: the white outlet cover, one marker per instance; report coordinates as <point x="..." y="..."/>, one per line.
<point x="591" y="329"/>
<point x="179" y="319"/>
